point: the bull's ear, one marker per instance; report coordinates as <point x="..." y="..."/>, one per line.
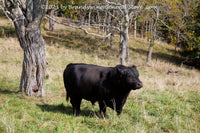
<point x="120" y="69"/>
<point x="133" y="66"/>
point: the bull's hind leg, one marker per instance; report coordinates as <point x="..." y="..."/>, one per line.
<point x="102" y="107"/>
<point x="76" y="102"/>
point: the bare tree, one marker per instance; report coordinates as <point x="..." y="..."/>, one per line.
<point x="152" y="26"/>
<point x="124" y="21"/>
<point x="27" y="16"/>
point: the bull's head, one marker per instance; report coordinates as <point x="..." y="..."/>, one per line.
<point x="129" y="77"/>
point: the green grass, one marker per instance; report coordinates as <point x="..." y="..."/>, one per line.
<point x="166" y="103"/>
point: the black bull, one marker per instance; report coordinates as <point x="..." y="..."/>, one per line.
<point x="110" y="86"/>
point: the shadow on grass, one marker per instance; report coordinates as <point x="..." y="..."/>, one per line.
<point x="76" y="40"/>
<point x="65" y="110"/>
<point x="161" y="56"/>
<point x="3" y="91"/>
<point x="7" y="31"/>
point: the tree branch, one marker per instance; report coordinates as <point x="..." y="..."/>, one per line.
<point x="76" y="27"/>
<point x="5" y="12"/>
<point x="171" y="29"/>
<point x="39" y="12"/>
<point x="113" y="3"/>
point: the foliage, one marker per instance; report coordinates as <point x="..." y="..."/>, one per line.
<point x="65" y="7"/>
<point x="193" y="34"/>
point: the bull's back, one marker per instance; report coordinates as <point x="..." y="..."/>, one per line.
<point x="84" y="79"/>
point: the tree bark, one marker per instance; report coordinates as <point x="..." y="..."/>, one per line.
<point x="34" y="64"/>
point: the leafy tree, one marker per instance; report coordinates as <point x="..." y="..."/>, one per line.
<point x="193" y="34"/>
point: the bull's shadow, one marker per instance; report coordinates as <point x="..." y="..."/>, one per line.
<point x="66" y="110"/>
<point x="7" y="91"/>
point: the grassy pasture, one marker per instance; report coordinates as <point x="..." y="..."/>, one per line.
<point x="166" y="103"/>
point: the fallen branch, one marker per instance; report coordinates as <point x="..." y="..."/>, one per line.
<point x="77" y="27"/>
<point x="96" y="26"/>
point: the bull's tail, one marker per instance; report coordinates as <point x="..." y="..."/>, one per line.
<point x="66" y="72"/>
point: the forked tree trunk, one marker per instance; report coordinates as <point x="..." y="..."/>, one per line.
<point x="27" y="20"/>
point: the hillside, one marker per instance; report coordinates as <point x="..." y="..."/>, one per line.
<point x="168" y="102"/>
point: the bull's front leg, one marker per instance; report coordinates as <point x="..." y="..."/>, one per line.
<point x="119" y="105"/>
<point x="102" y="107"/>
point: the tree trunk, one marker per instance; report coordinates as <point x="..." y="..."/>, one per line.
<point x="146" y="30"/>
<point x="51" y="22"/>
<point x="126" y="35"/>
<point x="99" y="20"/>
<point x="112" y="40"/>
<point x="142" y="30"/>
<point x="112" y="32"/>
<point x="108" y="21"/>
<point x="153" y="36"/>
<point x="70" y="18"/>
<point x="135" y="27"/>
<point x="122" y="50"/>
<point x="34" y="64"/>
<point x="104" y="22"/>
<point x="126" y="40"/>
<point x="82" y="19"/>
<point x="149" y="53"/>
<point x="89" y="17"/>
<point x="177" y="40"/>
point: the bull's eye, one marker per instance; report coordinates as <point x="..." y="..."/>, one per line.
<point x="129" y="76"/>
